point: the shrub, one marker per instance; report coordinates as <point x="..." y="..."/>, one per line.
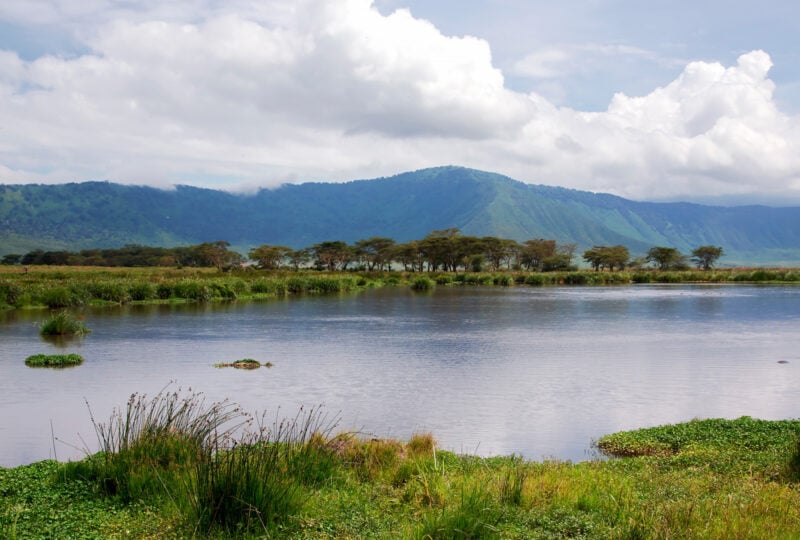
<point x="63" y="324"/>
<point x="54" y="360"/>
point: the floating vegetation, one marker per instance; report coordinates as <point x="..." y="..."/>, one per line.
<point x="54" y="360"/>
<point x="245" y="363"/>
<point x="63" y="323"/>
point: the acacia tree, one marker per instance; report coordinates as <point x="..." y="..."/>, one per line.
<point x="333" y="255"/>
<point x="376" y="251"/>
<point x="215" y="254"/>
<point x="705" y="257"/>
<point x="534" y="252"/>
<point x="499" y="251"/>
<point x="299" y="257"/>
<point x="666" y="258"/>
<point x="441" y="248"/>
<point x="270" y="257"/>
<point x="409" y="255"/>
<point x="607" y="257"/>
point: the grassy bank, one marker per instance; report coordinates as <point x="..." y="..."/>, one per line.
<point x="173" y="468"/>
<point x="68" y="287"/>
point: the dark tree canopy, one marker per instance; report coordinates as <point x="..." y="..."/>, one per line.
<point x="666" y="258"/>
<point x="609" y="257"/>
<point x="706" y="257"/>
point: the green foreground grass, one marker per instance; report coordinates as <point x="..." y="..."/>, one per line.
<point x="170" y="469"/>
<point x="69" y="287"/>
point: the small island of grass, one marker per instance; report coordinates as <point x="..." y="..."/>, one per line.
<point x="63" y="323"/>
<point x="54" y="360"/>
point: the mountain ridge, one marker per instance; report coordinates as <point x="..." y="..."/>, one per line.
<point x="406" y="206"/>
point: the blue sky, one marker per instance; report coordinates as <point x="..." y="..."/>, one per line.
<point x="649" y="100"/>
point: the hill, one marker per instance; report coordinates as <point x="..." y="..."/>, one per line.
<point x="404" y="207"/>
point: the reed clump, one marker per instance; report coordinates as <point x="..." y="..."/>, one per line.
<point x="63" y="323"/>
<point x="207" y="461"/>
<point x="423" y="284"/>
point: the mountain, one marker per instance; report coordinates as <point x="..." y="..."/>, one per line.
<point x="404" y="207"/>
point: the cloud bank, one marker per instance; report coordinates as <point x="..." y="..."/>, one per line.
<point x="263" y="93"/>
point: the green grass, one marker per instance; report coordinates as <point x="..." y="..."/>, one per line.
<point x="63" y="323"/>
<point x="164" y="472"/>
<point x="54" y="360"/>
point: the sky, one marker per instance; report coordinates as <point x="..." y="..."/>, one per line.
<point x="657" y="100"/>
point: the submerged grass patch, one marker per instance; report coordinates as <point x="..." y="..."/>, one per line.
<point x="245" y="363"/>
<point x="54" y="360"/>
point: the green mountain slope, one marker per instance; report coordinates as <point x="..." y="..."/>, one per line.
<point x="404" y="207"/>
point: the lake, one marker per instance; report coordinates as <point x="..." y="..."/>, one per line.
<point x="540" y="372"/>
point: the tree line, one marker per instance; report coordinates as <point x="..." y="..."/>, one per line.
<point x="441" y="250"/>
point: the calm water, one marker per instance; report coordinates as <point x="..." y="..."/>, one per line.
<point x="535" y="371"/>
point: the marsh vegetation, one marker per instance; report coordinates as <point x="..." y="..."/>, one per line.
<point x="173" y="467"/>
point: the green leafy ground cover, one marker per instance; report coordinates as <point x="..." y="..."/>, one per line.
<point x="296" y="479"/>
<point x="54" y="360"/>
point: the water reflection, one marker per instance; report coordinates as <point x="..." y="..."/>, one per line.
<point x="536" y="371"/>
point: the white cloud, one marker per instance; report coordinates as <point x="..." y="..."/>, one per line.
<point x="321" y="89"/>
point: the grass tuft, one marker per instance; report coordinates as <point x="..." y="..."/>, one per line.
<point x="63" y="323"/>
